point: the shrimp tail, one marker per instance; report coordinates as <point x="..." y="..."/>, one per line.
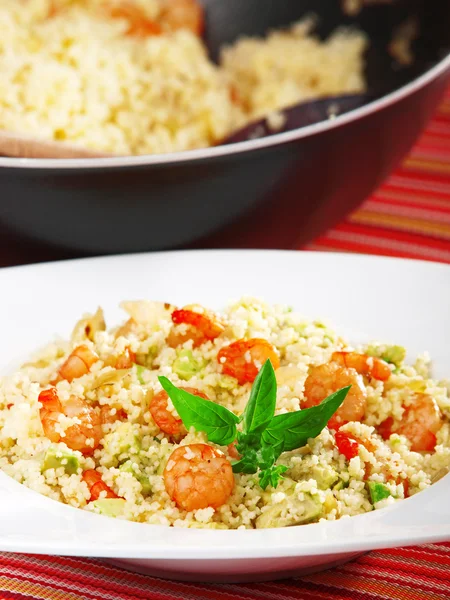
<point x="50" y="401"/>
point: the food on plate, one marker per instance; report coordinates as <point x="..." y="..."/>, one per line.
<point x="134" y="76"/>
<point x="251" y="418"/>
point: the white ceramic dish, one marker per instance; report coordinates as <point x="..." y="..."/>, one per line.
<point x="364" y="297"/>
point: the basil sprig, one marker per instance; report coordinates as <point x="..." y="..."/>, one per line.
<point x="264" y="437"/>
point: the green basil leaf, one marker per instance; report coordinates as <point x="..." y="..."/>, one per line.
<point x="247" y="442"/>
<point x="215" y="420"/>
<point x="247" y="464"/>
<point x="266" y="457"/>
<point x="261" y="405"/>
<point x="292" y="430"/>
<point x="271" y="476"/>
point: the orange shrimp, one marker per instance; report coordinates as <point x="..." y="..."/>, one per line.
<point x="165" y="420"/>
<point x="328" y="378"/>
<point x="183" y="14"/>
<point x="124" y="361"/>
<point x="84" y="436"/>
<point x="244" y="358"/>
<point x="201" y="328"/>
<point x="198" y="476"/>
<point x="96" y="485"/>
<point x="363" y="364"/>
<point x="420" y="423"/>
<point x="77" y="364"/>
<point x="106" y="417"/>
<point x="139" y="24"/>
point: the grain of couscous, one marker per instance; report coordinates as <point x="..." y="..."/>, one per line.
<point x="179" y="417"/>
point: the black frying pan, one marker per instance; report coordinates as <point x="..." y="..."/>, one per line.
<point x="292" y="186"/>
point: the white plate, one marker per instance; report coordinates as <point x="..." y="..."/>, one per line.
<point x="364" y="297"/>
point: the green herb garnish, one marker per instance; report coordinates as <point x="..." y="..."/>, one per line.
<point x="215" y="420"/>
<point x="260" y="407"/>
<point x="264" y="437"/>
<point x="292" y="430"/>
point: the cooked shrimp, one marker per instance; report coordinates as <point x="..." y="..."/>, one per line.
<point x="328" y="378"/>
<point x="96" y="485"/>
<point x="84" y="436"/>
<point x="420" y="423"/>
<point x="124" y="361"/>
<point x="198" y="476"/>
<point x="107" y="415"/>
<point x="165" y="420"/>
<point x="174" y="14"/>
<point x="363" y="364"/>
<point x="183" y="14"/>
<point x="139" y="24"/>
<point x="244" y="358"/>
<point x="201" y="327"/>
<point x="78" y="363"/>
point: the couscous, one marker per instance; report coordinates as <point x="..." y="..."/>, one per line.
<point x="252" y="418"/>
<point x="134" y="76"/>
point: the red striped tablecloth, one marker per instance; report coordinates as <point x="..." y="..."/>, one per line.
<point x="409" y="217"/>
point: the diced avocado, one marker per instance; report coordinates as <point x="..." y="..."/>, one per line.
<point x="377" y="491"/>
<point x="55" y="457"/>
<point x="131" y="467"/>
<point x="226" y="382"/>
<point x="146" y="359"/>
<point x="140" y="370"/>
<point x="394" y="355"/>
<point x="110" y="507"/>
<point x="122" y="441"/>
<point x="340" y="485"/>
<point x="325" y="477"/>
<point x="186" y="366"/>
<point x="282" y="514"/>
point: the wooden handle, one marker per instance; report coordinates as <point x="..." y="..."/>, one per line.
<point x="21" y="146"/>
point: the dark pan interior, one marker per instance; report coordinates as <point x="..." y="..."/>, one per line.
<point x="227" y="20"/>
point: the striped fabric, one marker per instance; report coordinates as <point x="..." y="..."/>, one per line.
<point x="403" y="574"/>
<point x="409" y="217"/>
